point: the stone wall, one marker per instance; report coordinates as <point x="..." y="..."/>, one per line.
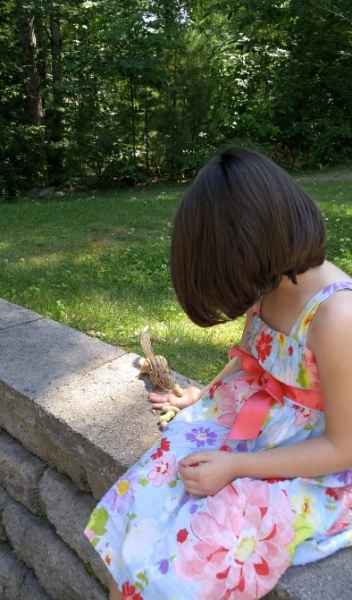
<point x="73" y="417"/>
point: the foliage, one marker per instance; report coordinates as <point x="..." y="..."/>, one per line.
<point x="122" y="91"/>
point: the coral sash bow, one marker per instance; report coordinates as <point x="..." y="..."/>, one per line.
<point x="252" y="415"/>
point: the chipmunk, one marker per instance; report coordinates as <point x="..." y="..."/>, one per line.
<point x="158" y="371"/>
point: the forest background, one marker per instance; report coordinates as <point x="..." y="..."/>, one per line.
<point x="111" y="92"/>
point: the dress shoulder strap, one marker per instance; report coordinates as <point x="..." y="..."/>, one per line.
<point x="301" y="325"/>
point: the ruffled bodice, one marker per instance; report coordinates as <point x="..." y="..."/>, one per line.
<point x="287" y="357"/>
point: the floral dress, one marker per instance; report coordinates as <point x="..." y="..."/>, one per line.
<point x="160" y="543"/>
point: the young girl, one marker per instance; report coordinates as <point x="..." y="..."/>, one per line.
<point x="255" y="473"/>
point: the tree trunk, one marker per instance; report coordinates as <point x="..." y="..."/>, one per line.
<point x="146" y="132"/>
<point x="55" y="157"/>
<point x="26" y="25"/>
<point x="133" y="117"/>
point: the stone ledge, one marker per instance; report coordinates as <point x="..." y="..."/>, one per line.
<point x="39" y="355"/>
<point x="74" y="401"/>
<point x="79" y="405"/>
<point x="12" y="315"/>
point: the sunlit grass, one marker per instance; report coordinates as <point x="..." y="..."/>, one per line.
<point x="99" y="263"/>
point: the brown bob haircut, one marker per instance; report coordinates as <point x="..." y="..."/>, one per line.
<point x="242" y="225"/>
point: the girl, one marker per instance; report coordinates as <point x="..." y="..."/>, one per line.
<point x="255" y="474"/>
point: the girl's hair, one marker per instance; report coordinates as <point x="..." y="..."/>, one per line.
<point x="241" y="226"/>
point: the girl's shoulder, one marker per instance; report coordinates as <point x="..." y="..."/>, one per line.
<point x="292" y="357"/>
<point x="333" y="317"/>
<point x="322" y="309"/>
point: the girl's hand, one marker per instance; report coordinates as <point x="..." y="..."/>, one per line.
<point x="205" y="473"/>
<point x="160" y="400"/>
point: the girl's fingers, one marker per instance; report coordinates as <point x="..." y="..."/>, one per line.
<point x="193" y="490"/>
<point x="158" y="398"/>
<point x="187" y="474"/>
<point x="158" y="401"/>
<point x="155" y="395"/>
<point x="195" y="459"/>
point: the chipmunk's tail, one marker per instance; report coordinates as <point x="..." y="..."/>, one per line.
<point x="146" y="344"/>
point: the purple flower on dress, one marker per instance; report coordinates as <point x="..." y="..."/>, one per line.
<point x="120" y="496"/>
<point x="242" y="447"/>
<point x="164" y="566"/>
<point x="345" y="477"/>
<point x="193" y="508"/>
<point x="202" y="436"/>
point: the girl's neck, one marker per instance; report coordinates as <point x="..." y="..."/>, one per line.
<point x="310" y="282"/>
<point x="283" y="305"/>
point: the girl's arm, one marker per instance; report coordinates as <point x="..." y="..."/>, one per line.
<point x="331" y="341"/>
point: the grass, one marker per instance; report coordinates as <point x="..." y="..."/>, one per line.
<point x="99" y="263"/>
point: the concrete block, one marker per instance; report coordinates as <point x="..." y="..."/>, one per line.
<point x="20" y="472"/>
<point x="4" y="498"/>
<point x="37" y="360"/>
<point x="41" y="433"/>
<point x="57" y="568"/>
<point x="31" y="590"/>
<point x="75" y="402"/>
<point x="12" y="574"/>
<point x="68" y="510"/>
<point x="91" y="427"/>
<point x="12" y="315"/>
<point x="328" y="579"/>
<point x="17" y="582"/>
<point x="41" y="355"/>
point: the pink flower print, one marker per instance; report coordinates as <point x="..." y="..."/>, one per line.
<point x="90" y="534"/>
<point x="202" y="436"/>
<point x="304" y="416"/>
<point x="129" y="592"/>
<point x="238" y="546"/>
<point x="344" y="520"/>
<point x="225" y="448"/>
<point x="163" y="447"/>
<point x="312" y="368"/>
<point x="182" y="535"/>
<point x="214" y="387"/>
<point x="263" y="346"/>
<point x="164" y="470"/>
<point x="231" y="398"/>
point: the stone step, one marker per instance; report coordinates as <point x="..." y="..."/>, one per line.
<point x="328" y="579"/>
<point x="17" y="582"/>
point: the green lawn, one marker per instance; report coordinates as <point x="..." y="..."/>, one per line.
<point x="99" y="262"/>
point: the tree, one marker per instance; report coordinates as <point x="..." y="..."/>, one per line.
<point x="117" y="91"/>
